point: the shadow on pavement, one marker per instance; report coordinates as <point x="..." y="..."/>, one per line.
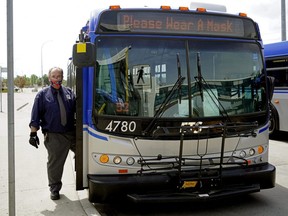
<point x="64" y="206"/>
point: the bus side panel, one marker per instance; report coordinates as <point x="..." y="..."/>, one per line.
<point x="85" y="159"/>
<point x="79" y="130"/>
<point x="82" y="116"/>
<point x="87" y="113"/>
<point x="281" y="95"/>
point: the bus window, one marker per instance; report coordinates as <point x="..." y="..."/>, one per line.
<point x="115" y="92"/>
<point x="156" y="58"/>
<point x="227" y="78"/>
<point x="278" y="68"/>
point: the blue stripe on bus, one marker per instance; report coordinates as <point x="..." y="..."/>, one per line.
<point x="263" y="129"/>
<point x="280" y="92"/>
<point x="95" y="135"/>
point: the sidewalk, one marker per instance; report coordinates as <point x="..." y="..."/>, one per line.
<point x="31" y="183"/>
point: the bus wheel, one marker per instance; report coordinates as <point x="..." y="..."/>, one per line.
<point x="273" y="122"/>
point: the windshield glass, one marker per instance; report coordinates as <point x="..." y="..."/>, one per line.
<point x="177" y="78"/>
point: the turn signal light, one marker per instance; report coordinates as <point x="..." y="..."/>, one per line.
<point x="243" y="14"/>
<point x="260" y="149"/>
<point x="164" y="7"/>
<point x="183" y="8"/>
<point x="104" y="158"/>
<point x="201" y="10"/>
<point x="114" y="7"/>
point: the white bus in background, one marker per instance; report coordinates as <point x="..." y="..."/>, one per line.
<point x="276" y="56"/>
<point x="208" y="6"/>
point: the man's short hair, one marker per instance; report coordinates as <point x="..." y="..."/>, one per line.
<point x="55" y="68"/>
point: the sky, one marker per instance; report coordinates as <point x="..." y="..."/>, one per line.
<point x="48" y="29"/>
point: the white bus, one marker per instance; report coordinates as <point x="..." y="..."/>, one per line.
<point x="276" y="56"/>
<point x="196" y="127"/>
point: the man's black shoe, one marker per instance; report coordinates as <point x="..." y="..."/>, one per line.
<point x="55" y="195"/>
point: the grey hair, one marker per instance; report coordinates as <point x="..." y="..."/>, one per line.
<point x="57" y="68"/>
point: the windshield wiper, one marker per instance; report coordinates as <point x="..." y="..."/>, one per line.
<point x="200" y="81"/>
<point x="199" y="78"/>
<point x="175" y="87"/>
<point x="179" y="75"/>
<point x="163" y="105"/>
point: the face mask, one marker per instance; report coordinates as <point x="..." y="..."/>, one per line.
<point x="56" y="84"/>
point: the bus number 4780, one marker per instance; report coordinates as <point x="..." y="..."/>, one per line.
<point x="123" y="126"/>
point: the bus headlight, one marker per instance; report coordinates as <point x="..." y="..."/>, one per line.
<point x="130" y="161"/>
<point x="242" y="154"/>
<point x="117" y="160"/>
<point x="251" y="151"/>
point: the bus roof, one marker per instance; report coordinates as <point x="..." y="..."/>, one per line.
<point x="276" y="49"/>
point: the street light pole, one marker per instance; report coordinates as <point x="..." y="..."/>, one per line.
<point x="283" y="20"/>
<point x="10" y="108"/>
<point x="42" y="79"/>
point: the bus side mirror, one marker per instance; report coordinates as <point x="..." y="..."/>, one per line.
<point x="84" y="54"/>
<point x="270" y="80"/>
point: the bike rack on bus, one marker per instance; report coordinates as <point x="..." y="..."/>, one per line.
<point x="180" y="164"/>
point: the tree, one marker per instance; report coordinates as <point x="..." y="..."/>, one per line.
<point x="46" y="81"/>
<point x="33" y="80"/>
<point x="20" y="81"/>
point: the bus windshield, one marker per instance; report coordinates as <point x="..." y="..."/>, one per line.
<point x="140" y="77"/>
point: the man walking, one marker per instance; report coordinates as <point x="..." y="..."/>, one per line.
<point x="54" y="111"/>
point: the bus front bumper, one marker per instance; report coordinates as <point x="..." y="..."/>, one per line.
<point x="165" y="187"/>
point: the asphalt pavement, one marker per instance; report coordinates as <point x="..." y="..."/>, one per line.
<point x="32" y="195"/>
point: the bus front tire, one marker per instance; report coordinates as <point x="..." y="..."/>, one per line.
<point x="273" y="122"/>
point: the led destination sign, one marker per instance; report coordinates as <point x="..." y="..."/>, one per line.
<point x="178" y="23"/>
<point x="182" y="24"/>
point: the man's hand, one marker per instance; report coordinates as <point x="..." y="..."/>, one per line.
<point x="34" y="140"/>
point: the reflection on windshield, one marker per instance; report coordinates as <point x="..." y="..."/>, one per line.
<point x="135" y="77"/>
